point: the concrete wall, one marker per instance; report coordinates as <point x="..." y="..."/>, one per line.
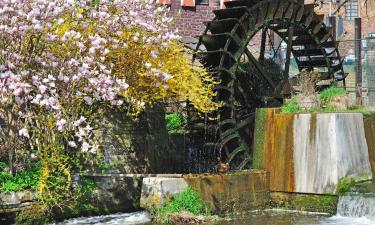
<point x="310" y="153"/>
<point x="232" y="192"/>
<point x="273" y="148"/>
<point x="225" y="193"/>
<point x="370" y="137"/>
<point x="14" y="201"/>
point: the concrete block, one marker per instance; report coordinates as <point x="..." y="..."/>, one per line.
<point x="311" y="153"/>
<point x="229" y="193"/>
<point x="156" y="190"/>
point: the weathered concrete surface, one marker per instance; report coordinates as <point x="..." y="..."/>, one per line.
<point x="304" y="202"/>
<point x="157" y="190"/>
<point x="329" y="147"/>
<point x="370" y="138"/>
<point x="232" y="192"/>
<point x="310" y="153"/>
<point x="15" y="201"/>
<point x="115" y="192"/>
<point x="275" y="153"/>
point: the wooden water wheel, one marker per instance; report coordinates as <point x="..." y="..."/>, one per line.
<point x="246" y="82"/>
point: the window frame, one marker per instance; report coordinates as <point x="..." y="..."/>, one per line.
<point x="351" y="10"/>
<point x="199" y="2"/>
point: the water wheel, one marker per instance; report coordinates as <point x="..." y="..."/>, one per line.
<point x="246" y="79"/>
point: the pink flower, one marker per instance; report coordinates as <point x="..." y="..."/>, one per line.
<point x="72" y="144"/>
<point x="60" y="124"/>
<point x="79" y="121"/>
<point x="85" y="147"/>
<point x="23" y="133"/>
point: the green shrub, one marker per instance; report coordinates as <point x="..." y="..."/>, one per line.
<point x="3" y="165"/>
<point x="35" y="215"/>
<point x="175" y="121"/>
<point x="21" y="181"/>
<point x="186" y="201"/>
<point x="291" y="107"/>
<point x="4" y="176"/>
<point x="330" y="93"/>
<point x="345" y="185"/>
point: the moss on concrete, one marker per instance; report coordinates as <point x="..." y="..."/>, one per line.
<point x="305" y="202"/>
<point x="232" y="192"/>
<point x="323" y="203"/>
<point x="369" y="123"/>
<point x="259" y="136"/>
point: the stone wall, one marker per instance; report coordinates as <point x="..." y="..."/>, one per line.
<point x="14" y="201"/>
<point x="137" y="146"/>
<point x="310" y="153"/>
<point x="115" y="192"/>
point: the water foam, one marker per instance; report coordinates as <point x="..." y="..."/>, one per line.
<point x="357" y="205"/>
<point x="114" y="219"/>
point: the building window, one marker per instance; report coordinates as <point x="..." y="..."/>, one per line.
<point x="201" y="2"/>
<point x="351" y="10"/>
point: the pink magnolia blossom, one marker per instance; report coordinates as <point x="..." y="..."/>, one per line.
<point x="42" y="81"/>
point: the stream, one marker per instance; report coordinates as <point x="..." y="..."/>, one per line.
<point x="354" y="208"/>
<point x="254" y="218"/>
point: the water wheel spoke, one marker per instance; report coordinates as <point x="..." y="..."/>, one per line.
<point x="256" y="64"/>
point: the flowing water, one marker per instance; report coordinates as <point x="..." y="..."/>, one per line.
<point x="114" y="219"/>
<point x="356" y="208"/>
<point x="254" y="218"/>
<point x="295" y="218"/>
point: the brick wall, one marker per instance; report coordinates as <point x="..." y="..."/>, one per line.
<point x="189" y="20"/>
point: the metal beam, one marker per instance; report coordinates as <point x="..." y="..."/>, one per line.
<point x="263" y="44"/>
<point x="358" y="57"/>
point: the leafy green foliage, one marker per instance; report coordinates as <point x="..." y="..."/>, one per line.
<point x="4" y="176"/>
<point x="291" y="107"/>
<point x="80" y="204"/>
<point x="35" y="215"/>
<point x="330" y="93"/>
<point x="21" y="181"/>
<point x="3" y="165"/>
<point x="175" y="121"/>
<point x="344" y="185"/>
<point x="186" y="201"/>
<point x="365" y="111"/>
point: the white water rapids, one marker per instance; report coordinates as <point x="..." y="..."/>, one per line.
<point x="114" y="219"/>
<point x="357" y="205"/>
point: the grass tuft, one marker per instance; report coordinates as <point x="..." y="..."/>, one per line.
<point x="186" y="201"/>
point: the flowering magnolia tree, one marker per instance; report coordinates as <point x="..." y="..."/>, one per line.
<point x="65" y="62"/>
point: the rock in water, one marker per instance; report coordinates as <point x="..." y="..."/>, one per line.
<point x="184" y="218"/>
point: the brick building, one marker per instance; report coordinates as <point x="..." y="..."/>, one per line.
<point x="190" y="15"/>
<point x="189" y="19"/>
